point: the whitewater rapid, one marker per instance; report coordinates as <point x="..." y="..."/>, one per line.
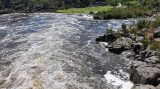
<point x="58" y="51"/>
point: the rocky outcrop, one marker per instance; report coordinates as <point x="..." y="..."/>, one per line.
<point x="143" y="54"/>
<point x="146" y="68"/>
<point x="143" y="73"/>
<point x="157" y="33"/>
<point x="158" y="87"/>
<point x="143" y="87"/>
<point x="120" y="45"/>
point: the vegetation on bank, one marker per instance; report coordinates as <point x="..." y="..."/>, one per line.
<point x="8" y="6"/>
<point x="87" y="10"/>
<point x="124" y="13"/>
<point x="134" y="9"/>
<point x="146" y="28"/>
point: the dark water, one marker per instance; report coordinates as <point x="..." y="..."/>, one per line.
<point x="57" y="51"/>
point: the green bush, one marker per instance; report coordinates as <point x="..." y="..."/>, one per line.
<point x="157" y="22"/>
<point x="143" y="24"/>
<point x="145" y="42"/>
<point x="123" y="13"/>
<point x="91" y="12"/>
<point x="133" y="30"/>
<point x="125" y="30"/>
<point x="155" y="46"/>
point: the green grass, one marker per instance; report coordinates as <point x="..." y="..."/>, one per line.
<point x="86" y="10"/>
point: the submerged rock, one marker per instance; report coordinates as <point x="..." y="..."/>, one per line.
<point x="110" y="37"/>
<point x="101" y="38"/>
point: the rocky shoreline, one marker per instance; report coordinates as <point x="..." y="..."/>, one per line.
<point x="145" y="67"/>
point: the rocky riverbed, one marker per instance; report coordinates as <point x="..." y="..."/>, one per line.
<point x="145" y="67"/>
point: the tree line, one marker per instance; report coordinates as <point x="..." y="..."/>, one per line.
<point x="7" y="6"/>
<point x="41" y="5"/>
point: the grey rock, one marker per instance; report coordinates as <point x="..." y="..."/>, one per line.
<point x="152" y="59"/>
<point x="132" y="36"/>
<point x="116" y="48"/>
<point x="156" y="39"/>
<point x="158" y="81"/>
<point x="124" y="41"/>
<point x="139" y="38"/>
<point x="143" y="87"/>
<point x="146" y="54"/>
<point x="121" y="45"/>
<point x="143" y="31"/>
<point x="157" y="33"/>
<point x="136" y="64"/>
<point x="158" y="87"/>
<point x="142" y="73"/>
<point x="108" y="37"/>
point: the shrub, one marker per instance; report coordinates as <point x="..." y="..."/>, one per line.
<point x="157" y="22"/>
<point x="91" y="12"/>
<point x="124" y="13"/>
<point x="124" y="26"/>
<point x="133" y="30"/>
<point x="110" y="31"/>
<point x="145" y="42"/>
<point x="155" y="46"/>
<point x="143" y="24"/>
<point x="125" y="30"/>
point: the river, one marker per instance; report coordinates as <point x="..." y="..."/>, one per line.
<point x="58" y="51"/>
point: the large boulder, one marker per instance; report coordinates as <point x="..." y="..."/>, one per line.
<point x="158" y="87"/>
<point x="139" y="86"/>
<point x="120" y="45"/>
<point x="157" y="33"/>
<point x="143" y="73"/>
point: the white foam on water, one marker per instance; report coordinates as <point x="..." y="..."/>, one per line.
<point x="117" y="82"/>
<point x="41" y="66"/>
<point x="3" y="27"/>
<point x="105" y="44"/>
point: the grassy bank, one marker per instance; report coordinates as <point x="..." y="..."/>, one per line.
<point x="124" y="13"/>
<point x="146" y="28"/>
<point x="86" y="10"/>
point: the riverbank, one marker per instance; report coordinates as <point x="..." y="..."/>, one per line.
<point x="143" y="41"/>
<point x="86" y="10"/>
